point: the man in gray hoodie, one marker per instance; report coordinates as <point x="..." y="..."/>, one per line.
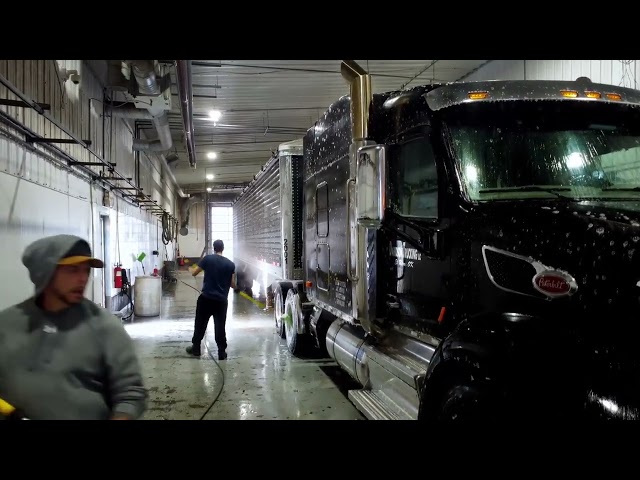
<point x="61" y="355"/>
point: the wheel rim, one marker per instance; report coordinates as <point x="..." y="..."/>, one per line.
<point x="278" y="310"/>
<point x="290" y="313"/>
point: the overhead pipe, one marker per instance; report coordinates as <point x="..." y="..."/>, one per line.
<point x="185" y="93"/>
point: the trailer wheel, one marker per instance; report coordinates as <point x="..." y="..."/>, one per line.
<point x="292" y="319"/>
<point x="279" y="295"/>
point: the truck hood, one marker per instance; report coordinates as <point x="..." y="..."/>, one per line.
<point x="598" y="245"/>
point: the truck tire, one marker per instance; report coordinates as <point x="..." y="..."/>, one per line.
<point x="468" y="401"/>
<point x="280" y="291"/>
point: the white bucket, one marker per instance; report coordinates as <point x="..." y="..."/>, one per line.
<point x="147" y="296"/>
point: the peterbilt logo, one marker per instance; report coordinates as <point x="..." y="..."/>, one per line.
<point x="554" y="283"/>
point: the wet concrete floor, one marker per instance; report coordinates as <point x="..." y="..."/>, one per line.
<point x="260" y="379"/>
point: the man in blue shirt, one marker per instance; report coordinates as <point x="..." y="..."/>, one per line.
<point x="219" y="277"/>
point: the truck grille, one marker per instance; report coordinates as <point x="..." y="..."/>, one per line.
<point x="510" y="272"/>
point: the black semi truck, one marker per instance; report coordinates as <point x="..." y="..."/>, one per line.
<point x="469" y="250"/>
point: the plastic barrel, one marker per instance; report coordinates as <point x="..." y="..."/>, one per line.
<point x="147" y="293"/>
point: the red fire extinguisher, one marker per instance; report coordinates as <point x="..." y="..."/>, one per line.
<point x="117" y="277"/>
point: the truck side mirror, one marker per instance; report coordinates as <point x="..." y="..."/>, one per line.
<point x="371" y="185"/>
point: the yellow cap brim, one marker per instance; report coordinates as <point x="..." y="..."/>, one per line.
<point x="93" y="262"/>
<point x="6" y="408"/>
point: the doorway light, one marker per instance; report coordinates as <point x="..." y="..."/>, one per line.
<point x="215" y="115"/>
<point x="212" y="155"/>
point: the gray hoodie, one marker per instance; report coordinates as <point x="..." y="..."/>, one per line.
<point x="76" y="364"/>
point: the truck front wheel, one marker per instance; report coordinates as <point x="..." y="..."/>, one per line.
<point x="468" y="401"/>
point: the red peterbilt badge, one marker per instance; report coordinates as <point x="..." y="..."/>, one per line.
<point x="554" y="283"/>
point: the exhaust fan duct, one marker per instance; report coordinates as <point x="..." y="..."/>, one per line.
<point x="185" y="211"/>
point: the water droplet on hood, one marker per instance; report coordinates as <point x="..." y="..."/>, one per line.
<point x="600" y="230"/>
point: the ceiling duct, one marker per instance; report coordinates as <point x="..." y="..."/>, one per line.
<point x="185" y="211"/>
<point x="152" y="93"/>
<point x="164" y="141"/>
<point x="145" y="74"/>
<point x="171" y="159"/>
<point x="128" y="110"/>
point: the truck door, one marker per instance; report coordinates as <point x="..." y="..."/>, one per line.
<point x="417" y="265"/>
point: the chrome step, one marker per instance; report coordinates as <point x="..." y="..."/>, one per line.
<point x="375" y="405"/>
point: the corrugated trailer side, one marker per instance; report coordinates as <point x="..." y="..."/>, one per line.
<point x="257" y="230"/>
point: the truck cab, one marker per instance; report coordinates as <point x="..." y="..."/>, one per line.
<point x="471" y="252"/>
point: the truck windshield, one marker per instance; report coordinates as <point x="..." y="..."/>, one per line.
<point x="546" y="149"/>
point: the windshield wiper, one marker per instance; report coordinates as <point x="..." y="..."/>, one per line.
<point x="529" y="188"/>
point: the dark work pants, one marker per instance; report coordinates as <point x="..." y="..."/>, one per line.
<point x="206" y="308"/>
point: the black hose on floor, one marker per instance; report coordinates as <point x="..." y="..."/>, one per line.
<point x="206" y="345"/>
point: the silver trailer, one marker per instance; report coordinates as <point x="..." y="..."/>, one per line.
<point x="267" y="223"/>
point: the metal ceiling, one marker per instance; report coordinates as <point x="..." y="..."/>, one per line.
<point x="267" y="102"/>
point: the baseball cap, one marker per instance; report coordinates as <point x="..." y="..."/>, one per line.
<point x="80" y="253"/>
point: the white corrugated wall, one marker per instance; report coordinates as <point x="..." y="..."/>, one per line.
<point x="614" y="72"/>
<point x="38" y="194"/>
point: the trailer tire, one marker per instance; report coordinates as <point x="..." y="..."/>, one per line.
<point x="280" y="291"/>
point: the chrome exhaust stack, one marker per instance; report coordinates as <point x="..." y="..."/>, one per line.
<point x="361" y="95"/>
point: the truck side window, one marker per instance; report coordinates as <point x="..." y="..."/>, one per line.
<point x="415" y="179"/>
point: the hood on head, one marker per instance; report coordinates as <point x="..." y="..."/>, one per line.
<point x="43" y="256"/>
